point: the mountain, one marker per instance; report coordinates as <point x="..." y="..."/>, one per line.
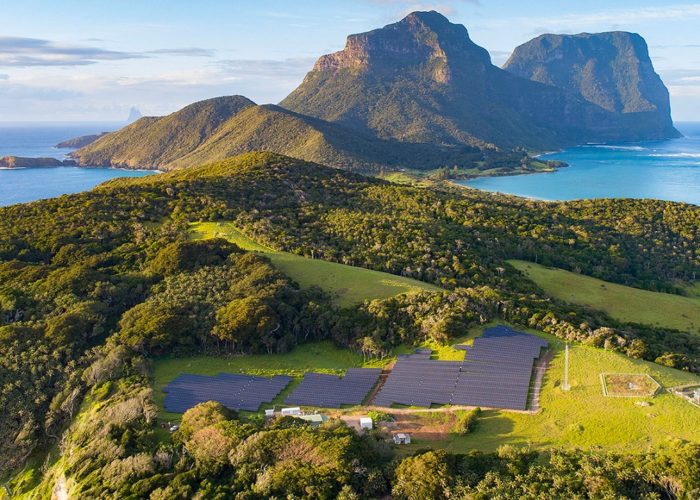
<point x="417" y="94"/>
<point x="134" y="114"/>
<point x="217" y="128"/>
<point x="422" y="79"/>
<point x="157" y="141"/>
<point x="612" y="70"/>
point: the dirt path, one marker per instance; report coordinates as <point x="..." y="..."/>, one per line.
<point x="382" y="380"/>
<point x="540" y="368"/>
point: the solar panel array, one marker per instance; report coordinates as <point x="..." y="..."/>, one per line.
<point x="329" y="391"/>
<point x="495" y="373"/>
<point x="234" y="391"/>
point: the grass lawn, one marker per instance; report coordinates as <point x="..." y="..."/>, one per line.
<point x="347" y="284"/>
<point x="583" y="417"/>
<point x="621" y="302"/>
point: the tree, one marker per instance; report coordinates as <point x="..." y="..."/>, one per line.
<point x="424" y="476"/>
<point x="242" y="323"/>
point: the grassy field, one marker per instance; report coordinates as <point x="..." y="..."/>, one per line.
<point x="583" y="417"/>
<point x="621" y="302"/>
<point x="629" y="385"/>
<point x="347" y="284"/>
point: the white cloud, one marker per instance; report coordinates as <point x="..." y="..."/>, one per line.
<point x="25" y="52"/>
<point x="611" y="17"/>
<point x="685" y="90"/>
<point x="183" y="51"/>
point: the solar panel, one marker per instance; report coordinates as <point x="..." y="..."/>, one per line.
<point x="235" y="391"/>
<point x="495" y="372"/>
<point x="330" y="391"/>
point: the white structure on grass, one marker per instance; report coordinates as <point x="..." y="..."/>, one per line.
<point x="402" y="438"/>
<point x="366" y="423"/>
<point x="293" y="411"/>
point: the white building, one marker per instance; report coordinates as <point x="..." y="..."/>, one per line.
<point x="294" y="411"/>
<point x="366" y="423"/>
<point x="402" y="438"/>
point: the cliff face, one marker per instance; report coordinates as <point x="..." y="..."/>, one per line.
<point x="425" y="39"/>
<point x="612" y="70"/>
<point x="423" y="80"/>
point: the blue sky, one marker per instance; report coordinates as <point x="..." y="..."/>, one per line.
<point x="81" y="60"/>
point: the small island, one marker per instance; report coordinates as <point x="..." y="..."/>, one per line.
<point x="23" y="162"/>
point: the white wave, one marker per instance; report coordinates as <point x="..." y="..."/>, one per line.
<point x="616" y="148"/>
<point x="676" y="155"/>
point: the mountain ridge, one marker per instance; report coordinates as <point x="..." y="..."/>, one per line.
<point x="418" y="93"/>
<point x="235" y="125"/>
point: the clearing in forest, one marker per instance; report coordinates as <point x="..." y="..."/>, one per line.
<point x="623" y="303"/>
<point x="348" y="285"/>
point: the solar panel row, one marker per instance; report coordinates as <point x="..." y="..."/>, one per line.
<point x="235" y="391"/>
<point x="496" y="373"/>
<point x="329" y="391"/>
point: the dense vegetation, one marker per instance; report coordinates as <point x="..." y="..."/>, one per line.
<point x="112" y="450"/>
<point x="92" y="285"/>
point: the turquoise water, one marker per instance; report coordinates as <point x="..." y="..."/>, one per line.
<point x="665" y="170"/>
<point x="29" y="184"/>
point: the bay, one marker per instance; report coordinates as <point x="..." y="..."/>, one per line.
<point x="39" y="140"/>
<point x="665" y="170"/>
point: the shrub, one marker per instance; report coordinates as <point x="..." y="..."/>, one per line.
<point x="466" y="422"/>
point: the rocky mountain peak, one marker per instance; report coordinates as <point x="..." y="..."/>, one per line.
<point x="418" y="39"/>
<point x="612" y="70"/>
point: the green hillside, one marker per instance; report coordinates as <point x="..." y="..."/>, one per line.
<point x="158" y="141"/>
<point x="215" y="129"/>
<point x="348" y="285"/>
<point x="621" y="302"/>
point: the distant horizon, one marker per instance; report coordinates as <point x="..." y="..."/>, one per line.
<point x="159" y="60"/>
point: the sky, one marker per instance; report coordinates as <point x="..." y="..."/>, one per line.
<point x="88" y="60"/>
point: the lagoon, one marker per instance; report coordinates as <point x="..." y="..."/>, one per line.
<point x="665" y="170"/>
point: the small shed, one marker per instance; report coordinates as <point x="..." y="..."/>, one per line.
<point x="269" y="413"/>
<point x="366" y="423"/>
<point x="402" y="438"/>
<point x="315" y="419"/>
<point x="294" y="411"/>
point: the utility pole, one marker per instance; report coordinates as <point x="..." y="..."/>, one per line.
<point x="565" y="386"/>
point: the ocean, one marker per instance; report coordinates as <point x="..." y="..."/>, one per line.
<point x="38" y="140"/>
<point x="665" y="170"/>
